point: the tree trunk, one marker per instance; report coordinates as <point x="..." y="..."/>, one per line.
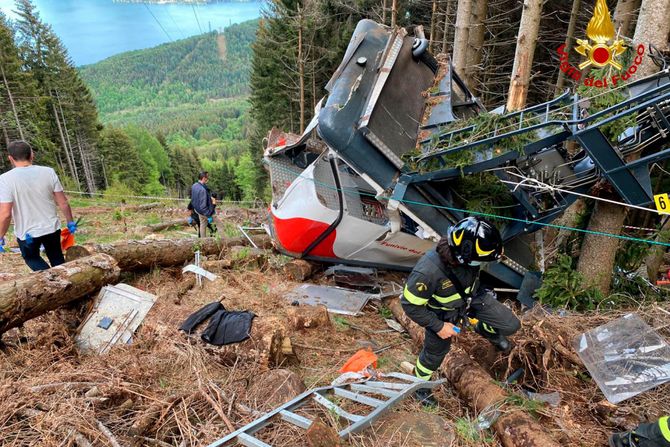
<point x="35" y="294"/>
<point x="182" y="287"/>
<point x="514" y="427"/>
<point x="654" y="258"/>
<point x="166" y="225"/>
<point x="461" y="36"/>
<point x="433" y="20"/>
<point x="11" y="101"/>
<point x="301" y="72"/>
<point x="70" y="161"/>
<point x="569" y="39"/>
<point x="394" y="12"/>
<point x="653" y="27"/>
<point x="624" y="16"/>
<point x="384" y="7"/>
<point x="596" y="259"/>
<point x="445" y="33"/>
<point x="144" y="254"/>
<point x="69" y="143"/>
<point x="475" y="43"/>
<point x="523" y="57"/>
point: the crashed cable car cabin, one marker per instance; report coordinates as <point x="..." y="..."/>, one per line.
<point x="361" y="193"/>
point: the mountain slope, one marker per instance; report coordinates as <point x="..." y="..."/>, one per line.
<point x="188" y="71"/>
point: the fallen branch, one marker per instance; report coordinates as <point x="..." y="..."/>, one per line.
<point x="217" y="408"/>
<point x="108" y="434"/>
<point x="65" y="386"/>
<point x="514" y="427"/>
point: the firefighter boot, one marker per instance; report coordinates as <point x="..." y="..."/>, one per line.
<point x="500" y="342"/>
<point x="425" y="397"/>
<point x="655" y="434"/>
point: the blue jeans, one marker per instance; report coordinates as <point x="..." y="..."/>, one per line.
<point x="31" y="252"/>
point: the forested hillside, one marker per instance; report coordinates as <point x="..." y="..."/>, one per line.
<point x="192" y="70"/>
<point x="170" y="111"/>
<point x="192" y="94"/>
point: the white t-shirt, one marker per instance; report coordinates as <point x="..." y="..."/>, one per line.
<point x="31" y="190"/>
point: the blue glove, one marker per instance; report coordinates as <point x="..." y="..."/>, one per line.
<point x="2" y="245"/>
<point x="190" y="220"/>
<point x="72" y="227"/>
<point x="210" y="219"/>
<point x="29" y="239"/>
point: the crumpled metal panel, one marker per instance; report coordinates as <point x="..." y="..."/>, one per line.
<point x="125" y="306"/>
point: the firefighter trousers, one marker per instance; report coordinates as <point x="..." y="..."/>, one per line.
<point x="495" y="318"/>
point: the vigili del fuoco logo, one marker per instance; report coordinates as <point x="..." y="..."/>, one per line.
<point x="600" y="50"/>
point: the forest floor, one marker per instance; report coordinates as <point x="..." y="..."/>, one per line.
<point x="168" y="389"/>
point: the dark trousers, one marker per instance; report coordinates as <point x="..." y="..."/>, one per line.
<point x="31" y="251"/>
<point x="493" y="314"/>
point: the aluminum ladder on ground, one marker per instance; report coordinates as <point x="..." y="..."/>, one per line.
<point x="392" y="392"/>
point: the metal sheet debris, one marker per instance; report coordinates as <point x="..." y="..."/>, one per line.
<point x="625" y="357"/>
<point x="337" y="300"/>
<point x="199" y="271"/>
<point x="117" y="313"/>
<point x="353" y="276"/>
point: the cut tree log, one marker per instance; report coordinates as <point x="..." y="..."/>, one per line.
<point x="144" y="254"/>
<point x="263" y="347"/>
<point x="181" y="288"/>
<point x="300" y="270"/>
<point x="249" y="257"/>
<point x="35" y="294"/>
<point x="217" y="265"/>
<point x="166" y="225"/>
<point x="146" y="206"/>
<point x="306" y="317"/>
<point x="473" y="384"/>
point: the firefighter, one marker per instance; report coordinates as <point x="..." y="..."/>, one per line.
<point x="440" y="292"/>
<point x="654" y="434"/>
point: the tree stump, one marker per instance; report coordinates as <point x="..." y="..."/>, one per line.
<point x="307" y="317"/>
<point x="300" y="270"/>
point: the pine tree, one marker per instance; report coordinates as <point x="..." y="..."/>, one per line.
<point x="21" y="107"/>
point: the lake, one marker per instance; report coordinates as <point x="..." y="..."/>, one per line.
<point x="93" y="30"/>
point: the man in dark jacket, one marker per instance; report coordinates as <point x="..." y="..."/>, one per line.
<point x="441" y="291"/>
<point x="201" y="199"/>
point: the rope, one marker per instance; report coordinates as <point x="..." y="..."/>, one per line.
<point x="544" y="186"/>
<point x="176" y="199"/>
<point x="158" y="21"/>
<point x="477" y="213"/>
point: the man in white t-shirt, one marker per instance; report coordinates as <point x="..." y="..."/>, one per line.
<point x="30" y="195"/>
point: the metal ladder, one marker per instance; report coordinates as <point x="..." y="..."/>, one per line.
<point x="392" y="392"/>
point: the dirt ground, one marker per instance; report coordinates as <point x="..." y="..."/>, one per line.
<point x="169" y="389"/>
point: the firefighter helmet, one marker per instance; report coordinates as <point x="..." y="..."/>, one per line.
<point x="474" y="240"/>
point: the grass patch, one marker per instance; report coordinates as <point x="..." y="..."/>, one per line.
<point x="528" y="405"/>
<point x="468" y="431"/>
<point x="341" y="323"/>
<point x="385" y="312"/>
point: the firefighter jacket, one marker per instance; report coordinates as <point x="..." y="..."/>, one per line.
<point x="429" y="297"/>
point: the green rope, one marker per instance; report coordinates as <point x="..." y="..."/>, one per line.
<point x="478" y="213"/>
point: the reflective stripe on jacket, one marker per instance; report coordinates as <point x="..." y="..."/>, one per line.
<point x="428" y="291"/>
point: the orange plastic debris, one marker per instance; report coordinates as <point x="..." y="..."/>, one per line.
<point x="66" y="239"/>
<point x="359" y="361"/>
